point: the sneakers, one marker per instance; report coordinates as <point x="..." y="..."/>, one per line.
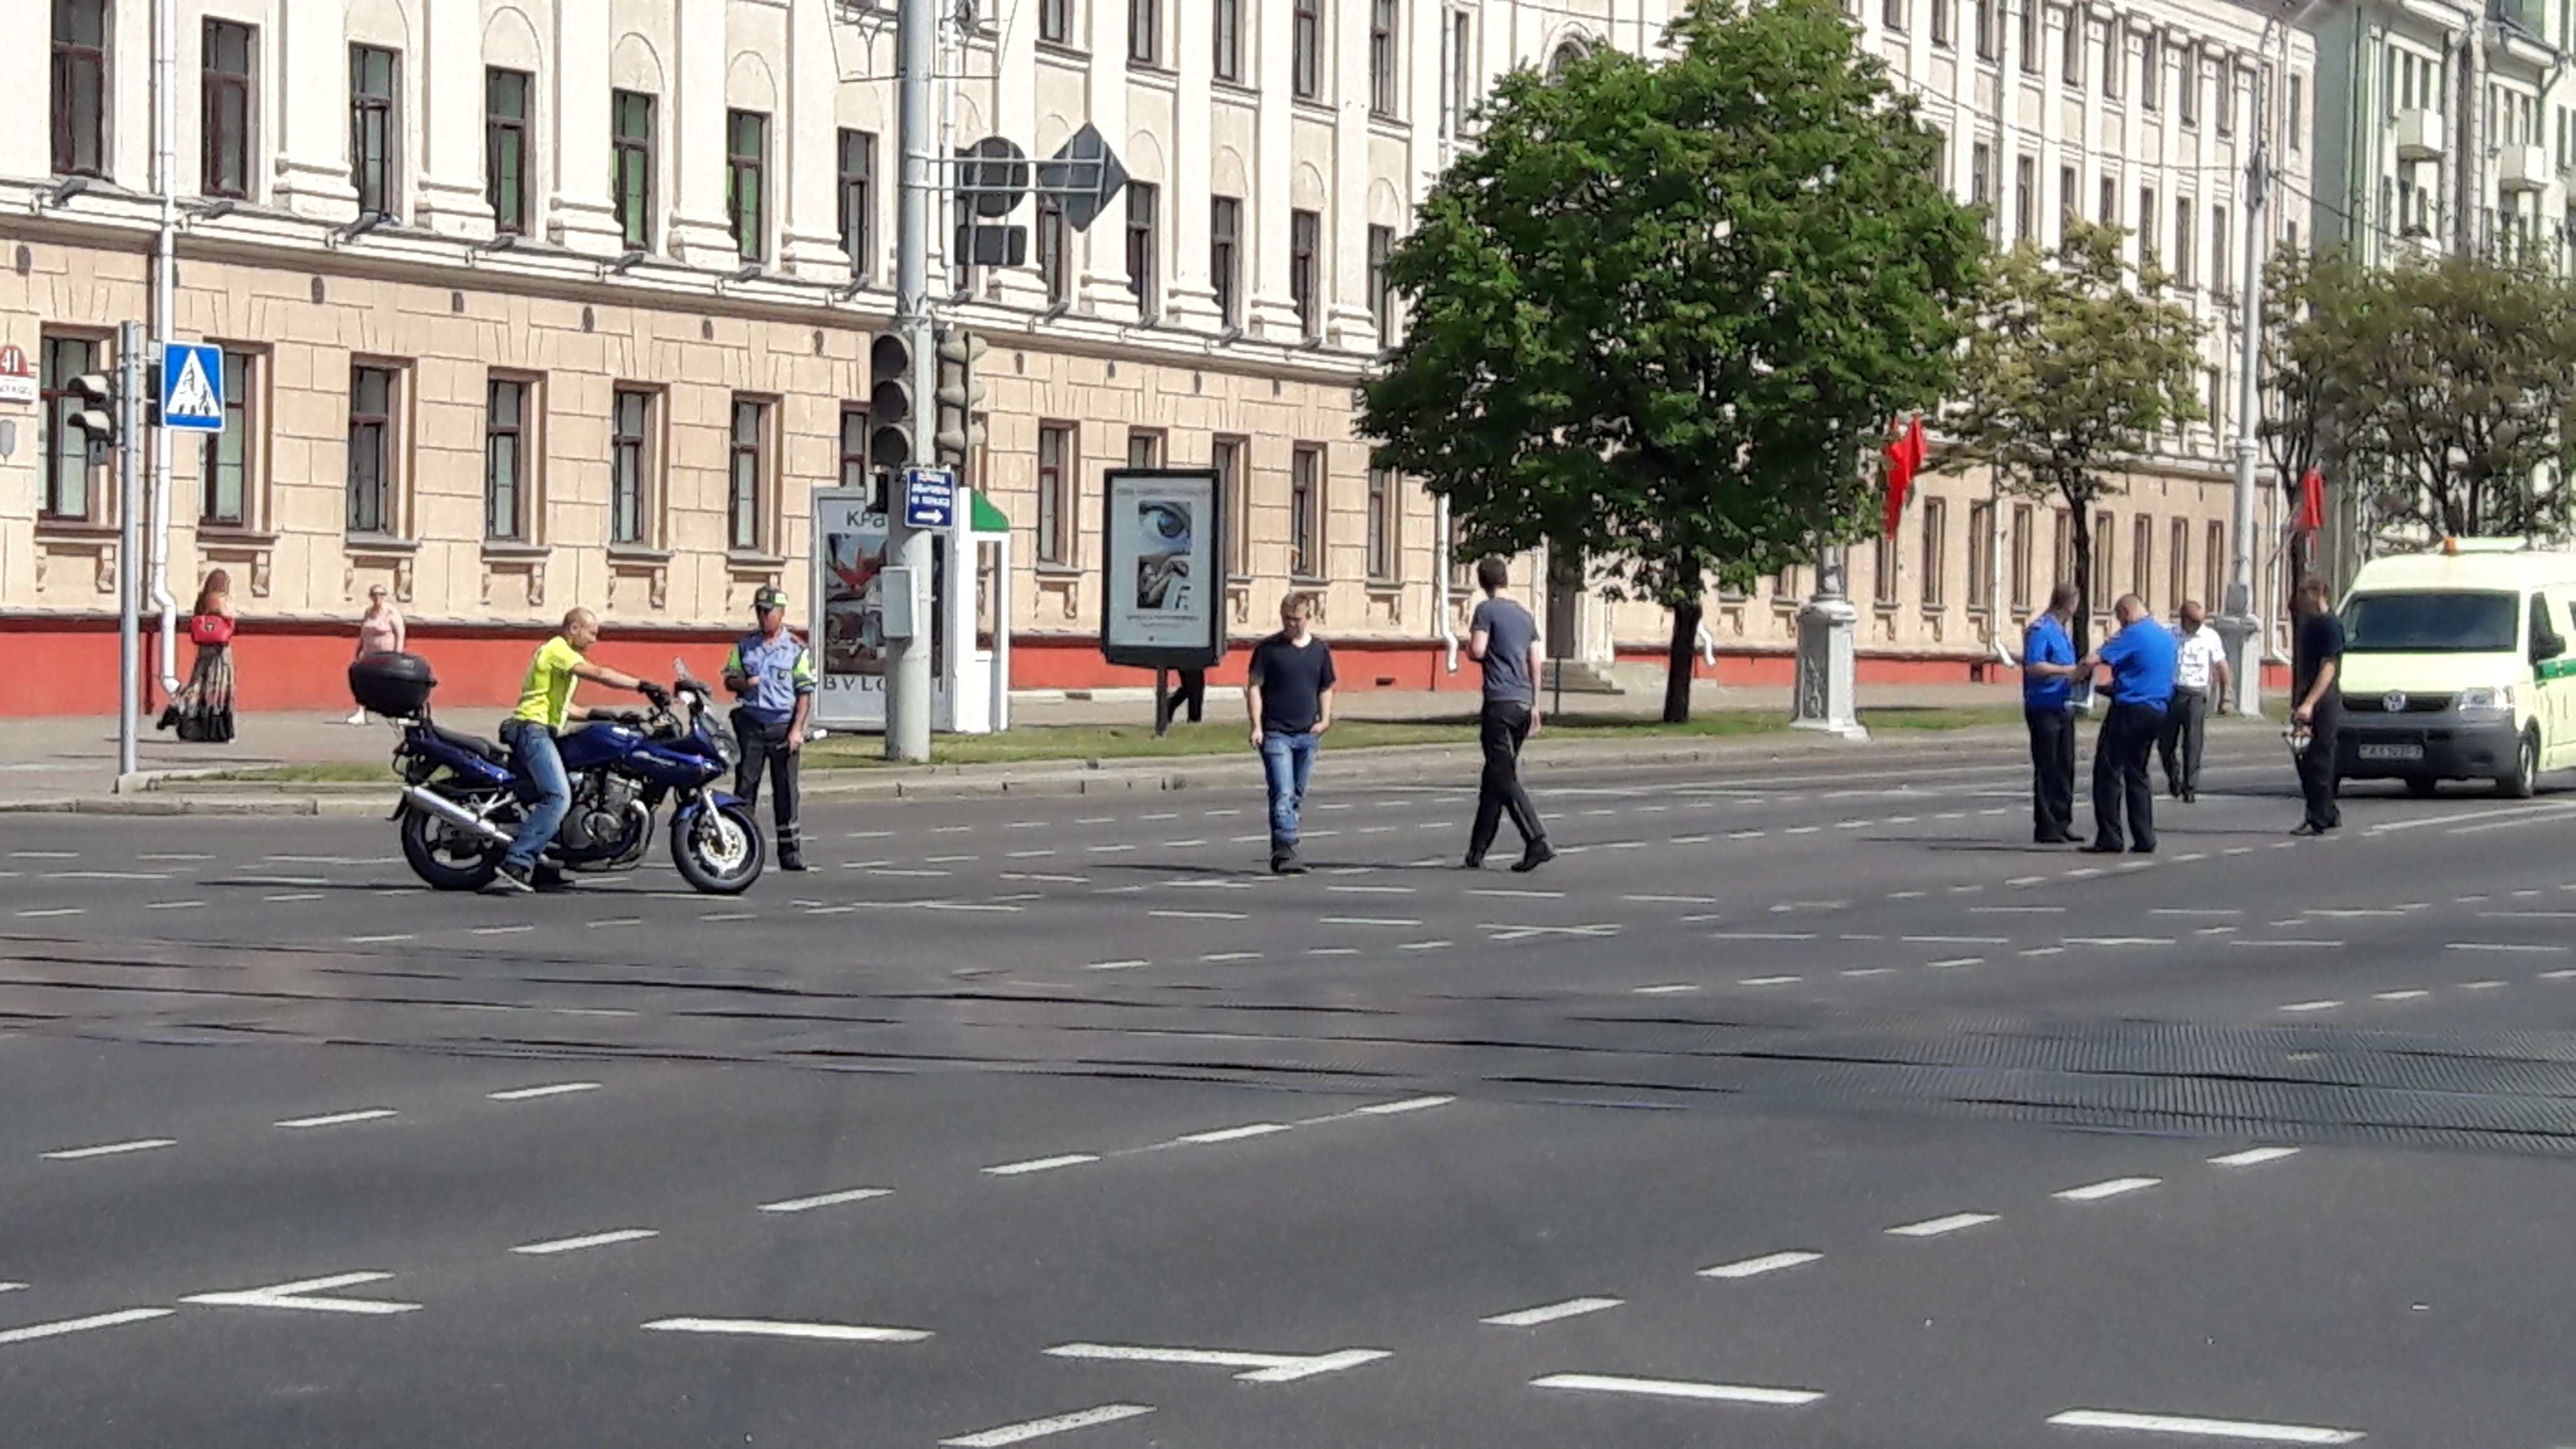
<point x="1537" y="854"/>
<point x="509" y="880"/>
<point x="358" y="718"/>
<point x="1284" y="861"/>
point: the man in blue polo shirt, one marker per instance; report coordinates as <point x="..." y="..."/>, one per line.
<point x="2141" y="658"/>
<point x="2047" y="690"/>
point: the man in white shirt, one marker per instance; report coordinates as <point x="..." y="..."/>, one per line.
<point x="2200" y="676"/>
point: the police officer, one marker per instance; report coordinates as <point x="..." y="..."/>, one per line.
<point x="773" y="674"/>
<point x="2047" y="691"/>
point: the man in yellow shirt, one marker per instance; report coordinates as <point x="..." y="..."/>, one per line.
<point x="545" y="704"/>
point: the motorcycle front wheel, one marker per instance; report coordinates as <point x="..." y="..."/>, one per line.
<point x="447" y="858"/>
<point x="718" y="849"/>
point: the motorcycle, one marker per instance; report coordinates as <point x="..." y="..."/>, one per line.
<point x="462" y="799"/>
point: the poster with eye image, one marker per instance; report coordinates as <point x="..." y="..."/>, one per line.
<point x="1161" y="532"/>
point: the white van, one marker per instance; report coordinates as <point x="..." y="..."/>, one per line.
<point x="2456" y="667"/>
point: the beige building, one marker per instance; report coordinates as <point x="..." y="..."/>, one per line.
<point x="536" y="302"/>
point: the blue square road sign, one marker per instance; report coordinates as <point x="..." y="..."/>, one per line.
<point x="192" y="387"/>
<point x="929" y="498"/>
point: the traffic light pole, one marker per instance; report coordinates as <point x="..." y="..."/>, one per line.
<point x="129" y="517"/>
<point x="908" y="669"/>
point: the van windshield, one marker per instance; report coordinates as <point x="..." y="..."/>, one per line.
<point x="2443" y="623"/>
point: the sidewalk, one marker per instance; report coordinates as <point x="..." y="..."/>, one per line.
<point x="64" y="759"/>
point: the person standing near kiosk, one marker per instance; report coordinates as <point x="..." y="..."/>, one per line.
<point x="772" y="672"/>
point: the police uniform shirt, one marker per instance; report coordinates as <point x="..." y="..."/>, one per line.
<point x="780" y="671"/>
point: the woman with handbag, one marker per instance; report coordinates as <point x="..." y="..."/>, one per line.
<point x="203" y="712"/>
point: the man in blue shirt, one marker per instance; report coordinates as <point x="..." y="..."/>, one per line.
<point x="2047" y="689"/>
<point x="2141" y="658"/>
<point x="772" y="673"/>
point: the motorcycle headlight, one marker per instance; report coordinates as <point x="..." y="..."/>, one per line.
<point x="2487" y="701"/>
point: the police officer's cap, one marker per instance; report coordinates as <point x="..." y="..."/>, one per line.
<point x="770" y="597"/>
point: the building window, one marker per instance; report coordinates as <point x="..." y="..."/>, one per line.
<point x="859" y="200"/>
<point x="747" y="478"/>
<point x="1988" y="40"/>
<point x="69" y="494"/>
<point x="1306" y="50"/>
<point x="1145" y="32"/>
<point x="1306" y="513"/>
<point x="1461" y="99"/>
<point x="1305" y="238"/>
<point x="1981" y="555"/>
<point x="2226" y="99"/>
<point x="1892" y="16"/>
<point x="2062" y="546"/>
<point x="2185" y="250"/>
<point x="1142" y="248"/>
<point x="2187" y="80"/>
<point x="1229" y="41"/>
<point x="2107" y="208"/>
<point x="505" y="148"/>
<point x="372" y="394"/>
<point x="1941" y="22"/>
<point x="2114" y="55"/>
<point x="1883" y="571"/>
<point x="1225" y="266"/>
<point x="2067" y="215"/>
<point x="1385" y="526"/>
<point x="2029" y="37"/>
<point x="1055" y="258"/>
<point x="855" y="472"/>
<point x="1144" y="448"/>
<point x="80" y="87"/>
<point x="2022" y="558"/>
<point x="630" y="145"/>
<point x="2142" y="556"/>
<point x="375" y="86"/>
<point x="2219" y="270"/>
<point x="2025" y="199"/>
<point x="2146" y="227"/>
<point x="2104" y="555"/>
<point x="2213" y="557"/>
<point x="505" y="460"/>
<point x="630" y="464"/>
<point x="746" y="157"/>
<point x="1981" y="181"/>
<point x="224" y="490"/>
<point x="2070" y="60"/>
<point x="1936" y="546"/>
<point x="1226" y="455"/>
<point x="1381" y="301"/>
<point x="1055" y="21"/>
<point x="224" y="92"/>
<point x="1382" y="58"/>
<point x="2151" y="64"/>
<point x="2178" y="564"/>
<point x="2298" y="132"/>
<point x="1055" y="493"/>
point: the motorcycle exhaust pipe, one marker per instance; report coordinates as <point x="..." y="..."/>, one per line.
<point x="422" y="798"/>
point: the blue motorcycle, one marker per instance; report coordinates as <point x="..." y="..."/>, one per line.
<point x="462" y="800"/>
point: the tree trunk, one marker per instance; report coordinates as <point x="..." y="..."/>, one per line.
<point x="2082" y="524"/>
<point x="1677" y="667"/>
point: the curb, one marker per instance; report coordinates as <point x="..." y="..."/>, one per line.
<point x="1377" y="764"/>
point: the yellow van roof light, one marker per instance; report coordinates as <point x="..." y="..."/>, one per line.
<point x="2451" y="545"/>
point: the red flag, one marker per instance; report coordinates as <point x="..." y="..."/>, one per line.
<point x="1905" y="454"/>
<point x="2312" y="502"/>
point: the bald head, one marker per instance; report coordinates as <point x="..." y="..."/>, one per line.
<point x="580" y="629"/>
<point x="2130" y="609"/>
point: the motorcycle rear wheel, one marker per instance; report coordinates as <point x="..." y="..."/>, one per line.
<point x="445" y="857"/>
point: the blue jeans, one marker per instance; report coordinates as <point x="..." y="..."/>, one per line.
<point x="1286" y="761"/>
<point x="533" y="754"/>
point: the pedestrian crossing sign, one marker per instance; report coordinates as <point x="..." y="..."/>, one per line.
<point x="192" y="387"/>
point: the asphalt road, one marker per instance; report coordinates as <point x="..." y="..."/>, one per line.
<point x="1805" y="1105"/>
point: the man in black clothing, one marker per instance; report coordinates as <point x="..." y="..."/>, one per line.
<point x="1504" y="638"/>
<point x="1288" y="691"/>
<point x="1192" y="693"/>
<point x="2316" y="665"/>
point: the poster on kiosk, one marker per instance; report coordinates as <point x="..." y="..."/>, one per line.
<point x="970" y="651"/>
<point x="1164" y="591"/>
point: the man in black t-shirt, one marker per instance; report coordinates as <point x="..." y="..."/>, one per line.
<point x="2316" y="701"/>
<point x="1289" y="695"/>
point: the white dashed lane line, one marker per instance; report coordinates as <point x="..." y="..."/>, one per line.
<point x="775" y="1328"/>
<point x="1041" y="1164"/>
<point x="82" y="1325"/>
<point x="2237" y="1430"/>
<point x="1550" y="1313"/>
<point x="829" y="1199"/>
<point x="1756" y="1267"/>
<point x="1936" y="1227"/>
<point x="2254" y="1157"/>
<point x="111" y="1149"/>
<point x="339" y="1119"/>
<point x="587" y="1240"/>
<point x="2116" y="1187"/>
<point x="1021" y="1433"/>
<point x="552" y="1089"/>
<point x="1679" y="1389"/>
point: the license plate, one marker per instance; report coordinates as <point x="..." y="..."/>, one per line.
<point x="2392" y="752"/>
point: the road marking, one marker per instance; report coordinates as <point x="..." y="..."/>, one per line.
<point x="112" y="1149"/>
<point x="1332" y="950"/>
<point x="1550" y="1313"/>
<point x="1040" y="1428"/>
<point x="2312" y="1006"/>
<point x="1935" y="1227"/>
<point x="1228" y="956"/>
<point x="1762" y="935"/>
<point x="1744" y="835"/>
<point x="2556" y="975"/>
<point x="55" y="911"/>
<point x="1369" y="890"/>
<point x="106" y="875"/>
<point x="13" y="1287"/>
<point x="173" y="905"/>
<point x="1041" y="1164"/>
<point x="1673" y="990"/>
<point x="1198" y="915"/>
<point x="338" y="1119"/>
<point x="1949" y="962"/>
<point x="1424" y="945"/>
<point x="1260" y="1368"/>
<point x="490" y="930"/>
<point x="82" y="1325"/>
<point x="1409" y="1104"/>
<point x="2254" y="1157"/>
<point x="1871" y="971"/>
<point x="1508" y="931"/>
<point x="1766" y="980"/>
<point x="557" y="1089"/>
<point x="1127" y="965"/>
<point x="777" y="1328"/>
<point x="1755" y="1267"/>
<point x="1678" y="1389"/>
<point x="2399" y="995"/>
<point x="1405" y="921"/>
<point x="1691" y="839"/>
<point x="2290" y="945"/>
<point x="2016" y="910"/>
<point x="377" y="940"/>
<point x="44" y="855"/>
<point x="1515" y="893"/>
<point x="2119" y="940"/>
<point x="2095" y="1192"/>
<point x="2502" y="946"/>
<point x="618" y="921"/>
<point x="829" y="1199"/>
<point x="1234" y="1134"/>
<point x="1955" y="940"/>
<point x="2236" y="1429"/>
<point x="299" y="1296"/>
<point x="2026" y="880"/>
<point x="2481" y="985"/>
<point x="587" y="1240"/>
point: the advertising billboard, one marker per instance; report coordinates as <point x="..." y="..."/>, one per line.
<point x="1164" y="585"/>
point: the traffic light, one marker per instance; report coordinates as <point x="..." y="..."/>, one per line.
<point x="959" y="395"/>
<point x="890" y="410"/>
<point x="96" y="415"/>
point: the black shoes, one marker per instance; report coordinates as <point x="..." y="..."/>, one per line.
<point x="2106" y="847"/>
<point x="509" y="880"/>
<point x="2063" y="837"/>
<point x="1475" y="861"/>
<point x="2307" y="829"/>
<point x="1538" y="853"/>
<point x="788" y="860"/>
<point x="1285" y="862"/>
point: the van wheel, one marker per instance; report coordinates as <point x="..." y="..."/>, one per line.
<point x="2525" y="779"/>
<point x="2422" y="786"/>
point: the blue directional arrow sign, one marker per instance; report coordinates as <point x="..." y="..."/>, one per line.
<point x="929" y="498"/>
<point x="192" y="387"/>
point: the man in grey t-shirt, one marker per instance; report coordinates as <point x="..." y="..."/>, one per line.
<point x="1504" y="638"/>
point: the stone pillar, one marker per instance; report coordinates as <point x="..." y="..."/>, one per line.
<point x="1269" y="312"/>
<point x="582" y="215"/>
<point x="312" y="94"/>
<point x="809" y="133"/>
<point x="1826" y="700"/>
<point x="1190" y="300"/>
<point x="26" y="149"/>
<point x="1100" y="289"/>
<point x="698" y="235"/>
<point x="1015" y="117"/>
<point x="1347" y="324"/>
<point x="450" y="199"/>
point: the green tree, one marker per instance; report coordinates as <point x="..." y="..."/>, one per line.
<point x="1660" y="311"/>
<point x="2077" y="370"/>
<point x="2303" y="383"/>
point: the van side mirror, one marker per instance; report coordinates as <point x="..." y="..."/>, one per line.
<point x="2546" y="648"/>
